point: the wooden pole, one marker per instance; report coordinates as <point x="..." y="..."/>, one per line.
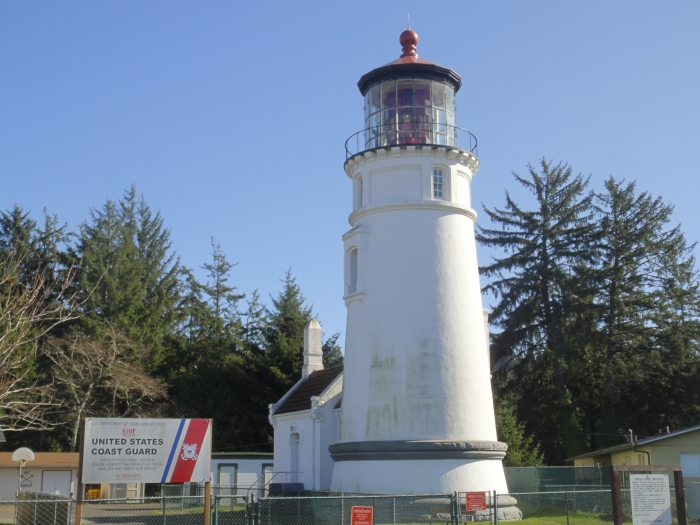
<point x="616" y="499"/>
<point x="207" y="503"/>
<point x="207" y="484"/>
<point x="680" y="497"/>
<point x="80" y="489"/>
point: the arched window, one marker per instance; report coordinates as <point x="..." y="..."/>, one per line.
<point x="352" y="271"/>
<point x="358" y="193"/>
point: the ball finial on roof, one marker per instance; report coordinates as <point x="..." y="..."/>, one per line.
<point x="409" y="41"/>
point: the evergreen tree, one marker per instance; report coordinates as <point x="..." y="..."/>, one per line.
<point x="222" y="296"/>
<point x="540" y="287"/>
<point x="285" y="334"/>
<point x="220" y="374"/>
<point x="522" y="449"/>
<point x="18" y="233"/>
<point x="128" y="276"/>
<point x="332" y="353"/>
<point x="649" y="299"/>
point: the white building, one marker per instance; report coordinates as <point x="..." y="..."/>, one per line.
<point x="50" y="472"/>
<point x="242" y="471"/>
<point x="305" y="420"/>
<point x="417" y="410"/>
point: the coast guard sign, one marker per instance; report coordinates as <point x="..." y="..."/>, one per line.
<point x="116" y="450"/>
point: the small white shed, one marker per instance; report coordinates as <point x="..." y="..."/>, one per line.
<point x="50" y="472"/>
<point x="241" y="472"/>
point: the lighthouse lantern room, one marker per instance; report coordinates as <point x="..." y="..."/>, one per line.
<point x="416" y="415"/>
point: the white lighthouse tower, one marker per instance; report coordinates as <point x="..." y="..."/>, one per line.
<point x="417" y="409"/>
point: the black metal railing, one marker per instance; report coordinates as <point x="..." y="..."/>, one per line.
<point x="410" y="134"/>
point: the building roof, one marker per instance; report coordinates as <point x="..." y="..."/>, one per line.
<point x="641" y="442"/>
<point x="409" y="65"/>
<point x="314" y="385"/>
<point x="43" y="460"/>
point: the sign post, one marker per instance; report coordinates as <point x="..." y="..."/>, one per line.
<point x="207" y="486"/>
<point x="79" y="481"/>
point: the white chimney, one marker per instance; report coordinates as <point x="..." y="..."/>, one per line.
<point x="313" y="348"/>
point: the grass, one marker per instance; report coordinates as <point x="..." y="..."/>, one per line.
<point x="575" y="518"/>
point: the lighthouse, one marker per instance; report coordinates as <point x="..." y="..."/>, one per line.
<point x="417" y="414"/>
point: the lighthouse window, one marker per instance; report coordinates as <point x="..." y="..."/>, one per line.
<point x="437" y="184"/>
<point x="352" y="271"/>
<point x="358" y="193"/>
<point x="409" y="111"/>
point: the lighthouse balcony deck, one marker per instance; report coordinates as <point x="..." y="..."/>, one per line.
<point x="417" y="133"/>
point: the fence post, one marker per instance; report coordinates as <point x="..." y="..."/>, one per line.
<point x="342" y="508"/>
<point x="453" y="510"/>
<point x="567" y="507"/>
<point x="495" y="507"/>
<point x="680" y="497"/>
<point x="162" y="501"/>
<point x="458" y="509"/>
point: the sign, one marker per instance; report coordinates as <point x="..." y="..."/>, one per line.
<point x="117" y="450"/>
<point x="25" y="481"/>
<point x="361" y="515"/>
<point x="476" y="501"/>
<point x="651" y="499"/>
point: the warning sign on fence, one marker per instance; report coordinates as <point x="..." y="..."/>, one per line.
<point x="476" y="501"/>
<point x="361" y="515"/>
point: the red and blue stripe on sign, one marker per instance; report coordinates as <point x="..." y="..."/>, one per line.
<point x="184" y="465"/>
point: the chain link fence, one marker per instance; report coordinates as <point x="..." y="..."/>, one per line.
<point x="40" y="509"/>
<point x="337" y="509"/>
<point x="580" y="507"/>
<point x="557" y="479"/>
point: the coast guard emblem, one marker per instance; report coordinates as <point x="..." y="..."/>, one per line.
<point x="189" y="452"/>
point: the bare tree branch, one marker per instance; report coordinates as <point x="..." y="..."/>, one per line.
<point x="30" y="307"/>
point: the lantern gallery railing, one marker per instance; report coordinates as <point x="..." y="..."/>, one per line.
<point x="410" y="133"/>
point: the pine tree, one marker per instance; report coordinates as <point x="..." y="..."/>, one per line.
<point x="18" y="232"/>
<point x="332" y="353"/>
<point x="522" y="449"/>
<point x="539" y="287"/>
<point x="128" y="274"/>
<point x="222" y="296"/>
<point x="285" y="334"/>
<point x="649" y="302"/>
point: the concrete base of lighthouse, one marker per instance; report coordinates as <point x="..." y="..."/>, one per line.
<point x="418" y="467"/>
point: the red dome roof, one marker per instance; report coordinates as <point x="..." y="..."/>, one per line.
<point x="409" y="65"/>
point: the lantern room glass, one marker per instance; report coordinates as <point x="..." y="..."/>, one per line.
<point x="409" y="111"/>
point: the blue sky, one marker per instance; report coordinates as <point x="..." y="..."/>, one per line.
<point x="230" y="117"/>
